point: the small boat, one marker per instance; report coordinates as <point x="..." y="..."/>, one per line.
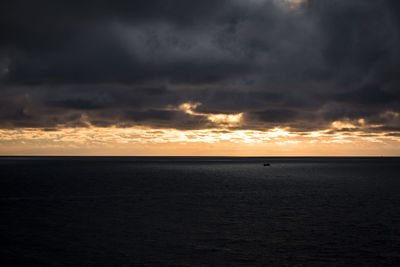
<point x="267" y="164"/>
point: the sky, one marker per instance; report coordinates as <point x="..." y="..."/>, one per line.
<point x="210" y="77"/>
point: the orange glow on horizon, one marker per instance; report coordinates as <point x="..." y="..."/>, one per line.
<point x="206" y="142"/>
<point x="223" y="137"/>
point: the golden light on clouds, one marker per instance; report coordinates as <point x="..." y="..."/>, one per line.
<point x="227" y="134"/>
<point x="219" y="119"/>
<point x="230" y="119"/>
<point x="218" y="141"/>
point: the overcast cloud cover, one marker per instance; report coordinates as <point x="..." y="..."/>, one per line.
<point x="127" y="63"/>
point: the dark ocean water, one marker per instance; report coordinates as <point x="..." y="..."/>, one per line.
<point x="89" y="211"/>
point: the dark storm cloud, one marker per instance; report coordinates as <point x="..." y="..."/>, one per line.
<point x="125" y="63"/>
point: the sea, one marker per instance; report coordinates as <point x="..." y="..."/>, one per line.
<point x="199" y="211"/>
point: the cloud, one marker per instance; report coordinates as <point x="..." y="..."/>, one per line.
<point x="130" y="63"/>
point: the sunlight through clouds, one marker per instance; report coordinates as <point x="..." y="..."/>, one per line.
<point x="219" y="119"/>
<point x="118" y="139"/>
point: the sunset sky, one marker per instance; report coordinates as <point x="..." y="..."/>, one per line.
<point x="210" y="77"/>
